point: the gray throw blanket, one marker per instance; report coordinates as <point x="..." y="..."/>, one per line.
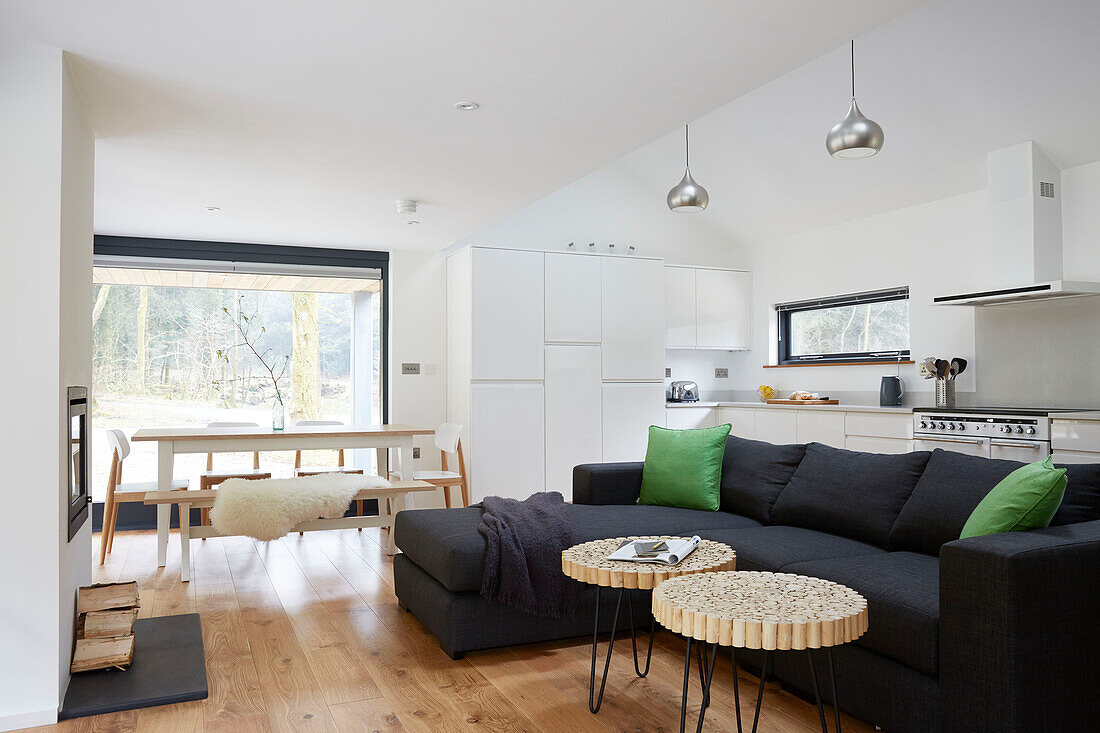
<point x="524" y="541"/>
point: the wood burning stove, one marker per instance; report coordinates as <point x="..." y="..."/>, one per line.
<point x="80" y="499"/>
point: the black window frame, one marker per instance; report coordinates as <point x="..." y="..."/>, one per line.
<point x="785" y="310"/>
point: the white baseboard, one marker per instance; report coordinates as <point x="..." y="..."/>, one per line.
<point x="28" y="720"/>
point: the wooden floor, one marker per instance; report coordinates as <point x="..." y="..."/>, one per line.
<point x="305" y="634"/>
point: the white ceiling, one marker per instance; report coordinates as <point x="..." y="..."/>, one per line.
<point x="949" y="81"/>
<point x="305" y="121"/>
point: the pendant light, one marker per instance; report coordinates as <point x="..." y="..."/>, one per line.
<point x="687" y="195"/>
<point x="855" y="136"/>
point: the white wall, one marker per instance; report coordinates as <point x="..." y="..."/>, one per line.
<point x="45" y="232"/>
<point x="417" y="334"/>
<point x="612" y="205"/>
<point x="934" y="248"/>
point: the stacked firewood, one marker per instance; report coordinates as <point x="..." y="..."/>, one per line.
<point x="105" y="626"/>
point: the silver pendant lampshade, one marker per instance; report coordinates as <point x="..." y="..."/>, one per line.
<point x="855" y="136"/>
<point x="687" y="195"/>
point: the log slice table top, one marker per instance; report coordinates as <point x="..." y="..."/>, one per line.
<point x="588" y="563"/>
<point x="757" y="610"/>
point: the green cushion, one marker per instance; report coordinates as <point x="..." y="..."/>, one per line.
<point x="684" y="467"/>
<point x="1025" y="499"/>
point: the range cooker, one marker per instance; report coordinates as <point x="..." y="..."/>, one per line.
<point x="1013" y="433"/>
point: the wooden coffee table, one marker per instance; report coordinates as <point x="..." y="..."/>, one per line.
<point x="588" y="563"/>
<point x="751" y="610"/>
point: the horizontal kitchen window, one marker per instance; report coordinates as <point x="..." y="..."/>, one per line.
<point x="859" y="327"/>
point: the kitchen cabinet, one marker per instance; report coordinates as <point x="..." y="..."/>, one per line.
<point x="870" y="444"/>
<point x="1075" y="441"/>
<point x="633" y="319"/>
<point x="680" y="307"/>
<point x="723" y="309"/>
<point x="628" y="411"/>
<point x="742" y="421"/>
<point x="820" y="427"/>
<point x="777" y="426"/>
<point x="506" y="314"/>
<point x="880" y="425"/>
<point x="1064" y="456"/>
<point x="507" y="456"/>
<point x="572" y="298"/>
<point x="708" y="308"/>
<point x="574" y="412"/>
<point x="684" y="418"/>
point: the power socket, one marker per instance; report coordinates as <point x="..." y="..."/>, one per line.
<point x="668" y="372"/>
<point x="416" y="452"/>
<point x="410" y="367"/>
<point x="721" y="373"/>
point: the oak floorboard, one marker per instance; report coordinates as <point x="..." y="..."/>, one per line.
<point x="305" y="634"/>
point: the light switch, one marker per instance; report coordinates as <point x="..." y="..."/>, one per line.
<point x="410" y="367"/>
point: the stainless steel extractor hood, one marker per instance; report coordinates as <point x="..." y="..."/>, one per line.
<point x="1026" y="226"/>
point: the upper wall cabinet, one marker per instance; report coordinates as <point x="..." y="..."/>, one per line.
<point x="633" y="317"/>
<point x="572" y="298"/>
<point x="680" y="307"/>
<point x="507" y="314"/>
<point x="708" y="308"/>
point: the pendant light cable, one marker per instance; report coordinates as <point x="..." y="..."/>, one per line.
<point x="853" y="42"/>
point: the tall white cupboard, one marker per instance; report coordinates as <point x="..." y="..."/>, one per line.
<point x="553" y="360"/>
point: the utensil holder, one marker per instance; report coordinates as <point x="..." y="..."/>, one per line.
<point x="945" y="393"/>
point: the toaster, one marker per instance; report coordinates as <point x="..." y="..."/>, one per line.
<point x="683" y="392"/>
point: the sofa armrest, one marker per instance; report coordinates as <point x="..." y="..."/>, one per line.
<point x="607" y="483"/>
<point x="1020" y="630"/>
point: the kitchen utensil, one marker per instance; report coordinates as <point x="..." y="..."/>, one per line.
<point x="683" y="391"/>
<point x="942" y="368"/>
<point x="890" y="391"/>
<point x="954" y="369"/>
<point x="929" y="365"/>
<point x="945" y="393"/>
<point x="958" y="360"/>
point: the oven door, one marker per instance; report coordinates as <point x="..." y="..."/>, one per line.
<point x="1025" y="451"/>
<point x="969" y="446"/>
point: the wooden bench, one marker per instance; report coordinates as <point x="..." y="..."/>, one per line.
<point x="204" y="499"/>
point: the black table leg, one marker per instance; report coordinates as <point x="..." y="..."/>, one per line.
<point x="817" y="693"/>
<point x="687" y="677"/>
<point x="736" y="692"/>
<point x="634" y="637"/>
<point x="593" y="702"/>
<point x="760" y="692"/>
<point x="832" y="681"/>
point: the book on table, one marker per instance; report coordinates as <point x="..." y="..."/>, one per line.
<point x="660" y="552"/>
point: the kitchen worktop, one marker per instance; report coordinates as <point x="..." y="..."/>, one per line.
<point x="1082" y="415"/>
<point x="841" y="408"/>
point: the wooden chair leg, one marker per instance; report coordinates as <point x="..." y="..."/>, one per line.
<point x="447" y="496"/>
<point x="105" y="530"/>
<point x="114" y="521"/>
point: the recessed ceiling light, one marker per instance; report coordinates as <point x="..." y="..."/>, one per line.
<point x="412" y="221"/>
<point x="466" y="106"/>
<point x="213" y="209"/>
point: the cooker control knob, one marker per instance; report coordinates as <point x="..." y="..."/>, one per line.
<point x="950" y="426"/>
<point x="1019" y="430"/>
<point x="962" y="426"/>
<point x="942" y="426"/>
<point x="1030" y="431"/>
<point x="923" y="425"/>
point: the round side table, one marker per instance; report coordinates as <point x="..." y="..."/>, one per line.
<point x="756" y="610"/>
<point x="588" y="563"/>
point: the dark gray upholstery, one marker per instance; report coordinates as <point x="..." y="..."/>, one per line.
<point x="852" y="494"/>
<point x="950" y="487"/>
<point x="774" y="548"/>
<point x="1081" y="502"/>
<point x="1019" y="630"/>
<point x="446" y="543"/>
<point x="607" y="483"/>
<point x="753" y="475"/>
<point x="902" y="592"/>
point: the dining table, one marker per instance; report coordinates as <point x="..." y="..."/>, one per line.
<point x="172" y="441"/>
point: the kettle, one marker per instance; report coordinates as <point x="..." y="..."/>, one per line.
<point x="890" y="392"/>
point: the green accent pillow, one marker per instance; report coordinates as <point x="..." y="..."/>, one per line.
<point x="1024" y="499"/>
<point x="683" y="468"/>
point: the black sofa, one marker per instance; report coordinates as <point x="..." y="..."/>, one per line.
<point x="996" y="633"/>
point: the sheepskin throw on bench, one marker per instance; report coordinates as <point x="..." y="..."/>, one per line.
<point x="268" y="509"/>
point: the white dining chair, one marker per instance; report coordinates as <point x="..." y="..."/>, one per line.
<point x="118" y="492"/>
<point x="210" y="478"/>
<point x="448" y="439"/>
